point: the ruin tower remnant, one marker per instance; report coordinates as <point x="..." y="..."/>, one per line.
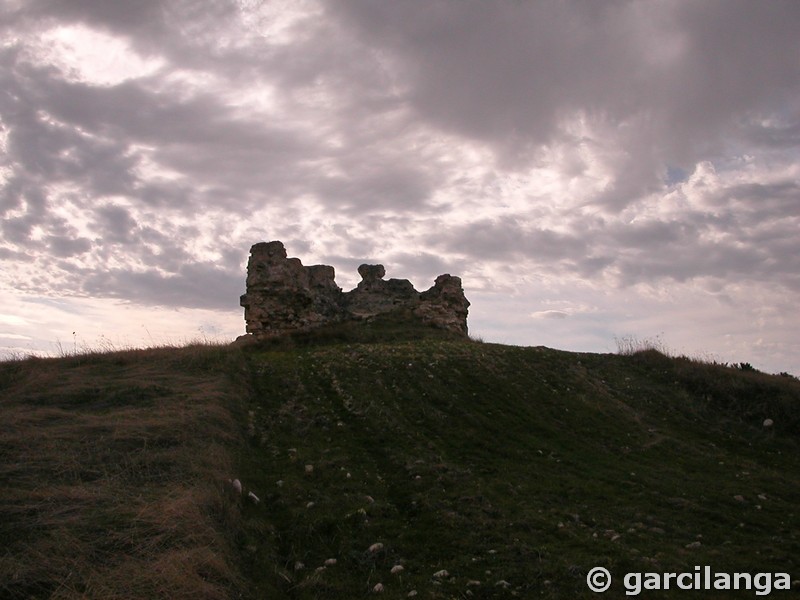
<point x="284" y="296"/>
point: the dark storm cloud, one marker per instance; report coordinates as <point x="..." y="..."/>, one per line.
<point x="377" y="187"/>
<point x="757" y="203"/>
<point x="699" y="260"/>
<point x="64" y="247"/>
<point x="495" y="71"/>
<point x="780" y="136"/>
<point x="508" y="239"/>
<point x="746" y="233"/>
<point x="652" y="234"/>
<point x="43" y="150"/>
<point x="116" y="224"/>
<point x="673" y="81"/>
<point x="145" y="16"/>
<point x="198" y="137"/>
<point x="196" y="285"/>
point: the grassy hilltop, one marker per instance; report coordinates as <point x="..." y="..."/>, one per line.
<point x="484" y="471"/>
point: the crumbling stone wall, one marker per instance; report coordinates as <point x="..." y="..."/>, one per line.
<point x="283" y="295"/>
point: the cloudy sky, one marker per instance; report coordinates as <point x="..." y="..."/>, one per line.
<point x="592" y="170"/>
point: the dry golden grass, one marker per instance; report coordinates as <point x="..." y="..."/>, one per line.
<point x="112" y="471"/>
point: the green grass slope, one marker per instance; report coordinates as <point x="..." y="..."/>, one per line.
<point x="514" y="470"/>
<point x="437" y="468"/>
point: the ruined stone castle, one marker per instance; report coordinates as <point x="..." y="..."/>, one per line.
<point x="285" y="296"/>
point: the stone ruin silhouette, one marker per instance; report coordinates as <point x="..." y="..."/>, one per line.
<point x="283" y="296"/>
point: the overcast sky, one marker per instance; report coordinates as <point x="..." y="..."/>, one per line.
<point x="591" y="170"/>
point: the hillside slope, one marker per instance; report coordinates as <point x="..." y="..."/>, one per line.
<point x="484" y="471"/>
<point x="519" y="468"/>
<point x="111" y="475"/>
